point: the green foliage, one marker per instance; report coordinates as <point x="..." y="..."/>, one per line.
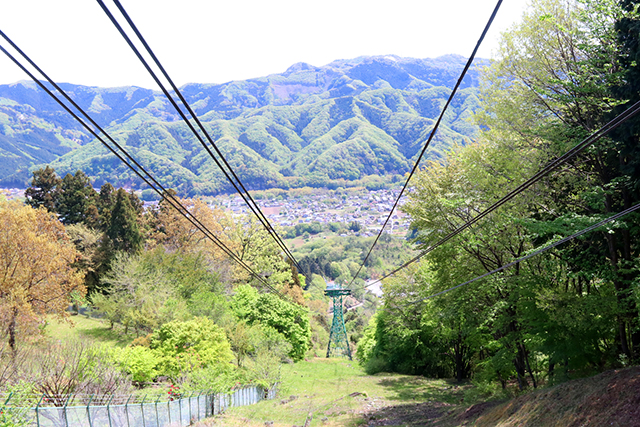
<point x="140" y="362"/>
<point x="338" y="258"/>
<point x="217" y="378"/>
<point x="290" y="320"/>
<point x="571" y="311"/>
<point x="155" y="287"/>
<point x="77" y="200"/>
<point x="188" y="345"/>
<point x="44" y="189"/>
<point x="312" y="128"/>
<point x="16" y="411"/>
<point x="122" y="229"/>
<point x="365" y="353"/>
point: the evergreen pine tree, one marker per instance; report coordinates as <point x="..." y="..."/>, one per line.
<point x="106" y="200"/>
<point x="44" y="189"/>
<point x="77" y="200"/>
<point x="123" y="230"/>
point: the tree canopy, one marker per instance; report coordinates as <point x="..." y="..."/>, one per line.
<point x="562" y="73"/>
<point x="37" y="274"/>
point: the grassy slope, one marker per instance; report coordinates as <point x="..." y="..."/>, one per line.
<point x="328" y="390"/>
<point x="611" y="398"/>
<point x="83" y="328"/>
<point x="338" y="393"/>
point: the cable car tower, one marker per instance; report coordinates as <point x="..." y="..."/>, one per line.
<point x="338" y="342"/>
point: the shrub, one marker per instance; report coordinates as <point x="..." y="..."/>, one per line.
<point x="290" y="320"/>
<point x="185" y="346"/>
<point x="140" y="362"/>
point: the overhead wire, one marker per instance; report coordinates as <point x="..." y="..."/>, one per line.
<point x="431" y="135"/>
<point x="230" y="174"/>
<point x="536" y="252"/>
<point x="156" y="186"/>
<point x="550" y="167"/>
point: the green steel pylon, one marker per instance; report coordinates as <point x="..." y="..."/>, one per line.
<point x="338" y="335"/>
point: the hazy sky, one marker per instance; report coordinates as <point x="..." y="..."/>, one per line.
<point x="209" y="41"/>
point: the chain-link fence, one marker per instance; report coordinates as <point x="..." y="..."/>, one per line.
<point x="125" y="411"/>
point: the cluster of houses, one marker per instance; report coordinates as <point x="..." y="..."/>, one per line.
<point x="12" y="193"/>
<point x="368" y="209"/>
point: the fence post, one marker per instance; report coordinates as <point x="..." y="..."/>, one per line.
<point x="7" y="401"/>
<point x="4" y="407"/>
<point x="88" y="411"/>
<point x="108" y="410"/>
<point x="64" y="411"/>
<point x="189" y="403"/>
<point x="180" y="410"/>
<point x="157" y="416"/>
<point x="198" y="400"/>
<point x="142" y="409"/>
<point x="38" y="407"/>
<point x="126" y="411"/>
<point x="169" y="409"/>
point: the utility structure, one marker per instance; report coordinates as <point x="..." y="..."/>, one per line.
<point x="338" y="342"/>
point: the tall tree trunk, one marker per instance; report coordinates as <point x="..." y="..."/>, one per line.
<point x="11" y="330"/>
<point x="526" y="359"/>
<point x="622" y="295"/>
<point x="519" y="363"/>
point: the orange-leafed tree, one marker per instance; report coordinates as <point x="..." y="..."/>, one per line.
<point x="177" y="233"/>
<point x="36" y="273"/>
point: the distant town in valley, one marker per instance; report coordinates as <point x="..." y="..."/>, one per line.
<point x="367" y="208"/>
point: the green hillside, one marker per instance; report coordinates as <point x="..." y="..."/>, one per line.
<point x="338" y="125"/>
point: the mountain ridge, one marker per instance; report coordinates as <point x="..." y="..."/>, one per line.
<point x="350" y="122"/>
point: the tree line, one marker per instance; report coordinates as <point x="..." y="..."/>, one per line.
<point x="192" y="317"/>
<point x="567" y="69"/>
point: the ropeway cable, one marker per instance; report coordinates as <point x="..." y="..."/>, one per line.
<point x="536" y="252"/>
<point x="550" y="167"/>
<point x="431" y="135"/>
<point x="239" y="186"/>
<point x="158" y="188"/>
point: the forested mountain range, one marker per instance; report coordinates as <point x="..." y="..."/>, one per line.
<point x="359" y="121"/>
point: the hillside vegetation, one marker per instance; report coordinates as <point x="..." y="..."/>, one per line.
<point x="510" y="298"/>
<point x="336" y="393"/>
<point x="350" y="122"/>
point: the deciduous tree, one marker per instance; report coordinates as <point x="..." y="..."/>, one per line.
<point x="37" y="275"/>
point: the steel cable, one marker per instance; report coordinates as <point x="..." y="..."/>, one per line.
<point x="240" y="188"/>
<point x="431" y="135"/>
<point x="550" y="167"/>
<point x="156" y="186"/>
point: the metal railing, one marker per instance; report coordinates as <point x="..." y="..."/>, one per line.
<point x="126" y="411"/>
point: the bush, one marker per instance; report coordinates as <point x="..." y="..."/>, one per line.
<point x="186" y="346"/>
<point x="375" y="365"/>
<point x="73" y="367"/>
<point x="217" y="378"/>
<point x="140" y="362"/>
<point x="16" y="413"/>
<point x="290" y="320"/>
